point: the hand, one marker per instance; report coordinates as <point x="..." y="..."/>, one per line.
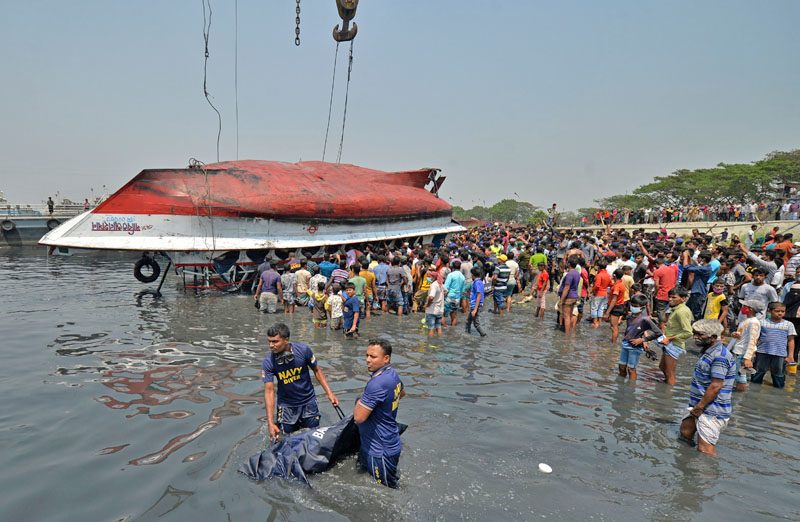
<point x="748" y="363"/>
<point x="255" y="297"/>
<point x="790" y="359"/>
<point x="696" y="411"/>
<point x="474" y="313"/>
<point x="333" y="399"/>
<point x="274" y="431"/>
<point x="736" y="335"/>
<point x="637" y="342"/>
<point x="666" y="340"/>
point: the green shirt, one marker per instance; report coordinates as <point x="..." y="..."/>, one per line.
<point x="679" y="325"/>
<point x="538" y="258"/>
<point x="360" y="283"/>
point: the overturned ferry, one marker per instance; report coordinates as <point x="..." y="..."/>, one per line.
<point x="217" y="222"/>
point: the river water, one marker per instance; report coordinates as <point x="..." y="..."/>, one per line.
<point x="117" y="406"/>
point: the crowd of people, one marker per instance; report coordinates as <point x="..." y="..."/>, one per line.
<point x="739" y="299"/>
<point x="788" y="210"/>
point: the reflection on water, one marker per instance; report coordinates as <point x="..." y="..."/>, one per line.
<point x="161" y="400"/>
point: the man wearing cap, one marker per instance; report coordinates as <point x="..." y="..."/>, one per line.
<point x="500" y="280"/>
<point x="710" y="404"/>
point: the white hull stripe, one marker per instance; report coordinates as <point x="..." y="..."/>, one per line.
<point x="193" y="233"/>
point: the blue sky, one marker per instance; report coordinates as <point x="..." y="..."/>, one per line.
<point x="558" y="101"/>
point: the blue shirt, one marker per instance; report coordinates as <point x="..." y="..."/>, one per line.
<point x="716" y="363"/>
<point x="701" y="275"/>
<point x="380" y="434"/>
<point x="294" y="379"/>
<point x="380" y="271"/>
<point x="269" y="281"/>
<point x="572" y="279"/>
<point x="326" y="268"/>
<point x="774" y="337"/>
<point x="351" y="306"/>
<point x="477" y="290"/>
<point x="454" y="284"/>
<point x="714" y="264"/>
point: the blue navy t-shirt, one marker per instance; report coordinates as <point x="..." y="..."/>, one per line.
<point x="294" y="380"/>
<point x="351" y="306"/>
<point x="380" y="434"/>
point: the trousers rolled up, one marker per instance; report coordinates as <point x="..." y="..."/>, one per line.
<point x="775" y="365"/>
<point x="475" y="321"/>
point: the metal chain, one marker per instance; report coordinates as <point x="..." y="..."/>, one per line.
<point x="297" y="26"/>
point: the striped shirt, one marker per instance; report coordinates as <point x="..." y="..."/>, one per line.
<point x="503" y="272"/>
<point x="774" y="337"/>
<point x="716" y="363"/>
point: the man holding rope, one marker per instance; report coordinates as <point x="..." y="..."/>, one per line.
<point x="289" y="362"/>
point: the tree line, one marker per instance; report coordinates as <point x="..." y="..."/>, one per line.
<point x="724" y="184"/>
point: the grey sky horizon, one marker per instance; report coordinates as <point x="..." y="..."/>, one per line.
<point x="556" y="101"/>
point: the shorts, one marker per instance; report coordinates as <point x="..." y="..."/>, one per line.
<point x="541" y="300"/>
<point x="302" y="299"/>
<point x="420" y="297"/>
<point x="708" y="427"/>
<point x="288" y="298"/>
<point x="673" y="351"/>
<point x="499" y="296"/>
<point x="293" y="418"/>
<point x="660" y="308"/>
<point x="321" y="322"/>
<point x="433" y="321"/>
<point x="451" y="305"/>
<point x="382" y="292"/>
<point x="619" y="310"/>
<point x="268" y="302"/>
<point x="383" y="468"/>
<point x="510" y="288"/>
<point x="337" y="323"/>
<point x="395" y="296"/>
<point x="629" y="356"/>
<point x="598" y="307"/>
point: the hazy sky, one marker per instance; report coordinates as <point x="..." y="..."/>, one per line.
<point x="558" y="101"/>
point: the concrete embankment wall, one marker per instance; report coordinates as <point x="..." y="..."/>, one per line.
<point x="713" y="227"/>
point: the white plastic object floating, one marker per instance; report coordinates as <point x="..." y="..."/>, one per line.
<point x="544" y="468"/>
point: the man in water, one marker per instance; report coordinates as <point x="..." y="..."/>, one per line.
<point x="289" y="362"/>
<point x="376" y="415"/>
<point x="710" y="394"/>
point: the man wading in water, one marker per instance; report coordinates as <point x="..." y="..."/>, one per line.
<point x="289" y="363"/>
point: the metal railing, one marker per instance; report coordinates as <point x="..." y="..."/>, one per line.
<point x="40" y="210"/>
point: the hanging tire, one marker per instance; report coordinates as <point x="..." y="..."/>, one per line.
<point x="153" y="267"/>
<point x="52" y="223"/>
<point x="7" y="225"/>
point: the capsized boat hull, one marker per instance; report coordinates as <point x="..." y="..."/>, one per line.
<point x="257" y="205"/>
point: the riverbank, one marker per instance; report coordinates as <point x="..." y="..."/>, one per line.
<point x="739" y="228"/>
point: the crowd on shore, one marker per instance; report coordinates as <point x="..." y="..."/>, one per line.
<point x="686" y="213"/>
<point x="738" y="298"/>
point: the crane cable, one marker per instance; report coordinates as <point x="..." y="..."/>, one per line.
<point x="236" y="67"/>
<point x="206" y="34"/>
<point x="330" y="103"/>
<point x="346" y="93"/>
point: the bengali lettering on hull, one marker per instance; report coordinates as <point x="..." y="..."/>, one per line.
<point x="190" y="233"/>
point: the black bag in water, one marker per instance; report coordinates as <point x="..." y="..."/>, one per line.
<point x="308" y="451"/>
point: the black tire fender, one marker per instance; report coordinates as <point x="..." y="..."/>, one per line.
<point x="52" y="223"/>
<point x="152" y="264"/>
<point x="7" y="225"/>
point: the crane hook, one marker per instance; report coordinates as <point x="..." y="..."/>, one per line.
<point x="347" y="11"/>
